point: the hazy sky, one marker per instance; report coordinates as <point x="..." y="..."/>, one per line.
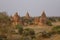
<point x="34" y="7"/>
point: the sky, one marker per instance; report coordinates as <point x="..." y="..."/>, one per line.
<point x="34" y="7"/>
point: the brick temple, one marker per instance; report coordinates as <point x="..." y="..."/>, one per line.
<point x="27" y="20"/>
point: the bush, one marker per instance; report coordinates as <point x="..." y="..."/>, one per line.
<point x="53" y="19"/>
<point x="26" y="33"/>
<point x="49" y="23"/>
<point x="29" y="32"/>
<point x="20" y="28"/>
<point x="5" y="22"/>
<point x="46" y="34"/>
<point x="56" y="29"/>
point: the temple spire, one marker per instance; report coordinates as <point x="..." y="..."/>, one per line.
<point x="43" y="19"/>
<point x="16" y="14"/>
<point x="27" y="15"/>
<point x="43" y="14"/>
<point x="16" y="19"/>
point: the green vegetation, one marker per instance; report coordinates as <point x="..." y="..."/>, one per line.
<point x="5" y="22"/>
<point x="52" y="19"/>
<point x="58" y="19"/>
<point x="56" y="29"/>
<point x="46" y="34"/>
<point x="20" y="29"/>
<point x="27" y="21"/>
<point x="49" y="23"/>
<point x="29" y="32"/>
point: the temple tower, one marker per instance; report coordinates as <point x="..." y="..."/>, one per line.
<point x="16" y="19"/>
<point x="43" y="19"/>
<point x="27" y="16"/>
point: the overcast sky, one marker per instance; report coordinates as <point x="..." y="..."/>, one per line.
<point x="34" y="7"/>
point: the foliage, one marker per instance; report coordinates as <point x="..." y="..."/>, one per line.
<point x="20" y="28"/>
<point x="27" y="21"/>
<point x="56" y="29"/>
<point x="29" y="32"/>
<point x="49" y="23"/>
<point x="53" y="19"/>
<point x="4" y="18"/>
<point x="5" y="22"/>
<point x="46" y="34"/>
<point x="59" y="19"/>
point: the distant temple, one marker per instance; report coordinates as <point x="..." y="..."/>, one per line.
<point x="27" y="16"/>
<point x="43" y="19"/>
<point x="16" y="19"/>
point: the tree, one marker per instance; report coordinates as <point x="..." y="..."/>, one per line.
<point x="20" y="28"/>
<point x="5" y="22"/>
<point x="49" y="23"/>
<point x="53" y="19"/>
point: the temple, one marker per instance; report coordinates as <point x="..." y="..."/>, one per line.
<point x="43" y="19"/>
<point x="36" y="20"/>
<point x="16" y="19"/>
<point x="27" y="16"/>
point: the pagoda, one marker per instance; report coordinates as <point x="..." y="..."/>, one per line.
<point x="16" y="19"/>
<point x="43" y="19"/>
<point x="27" y="16"/>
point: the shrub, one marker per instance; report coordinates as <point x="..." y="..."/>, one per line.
<point x="56" y="29"/>
<point x="25" y="32"/>
<point x="29" y="32"/>
<point x="5" y="22"/>
<point x="20" y="28"/>
<point x="46" y="34"/>
<point x="52" y="19"/>
<point x="49" y="23"/>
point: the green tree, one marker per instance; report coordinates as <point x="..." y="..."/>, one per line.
<point x="49" y="23"/>
<point x="20" y="28"/>
<point x="53" y="19"/>
<point x="5" y="22"/>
